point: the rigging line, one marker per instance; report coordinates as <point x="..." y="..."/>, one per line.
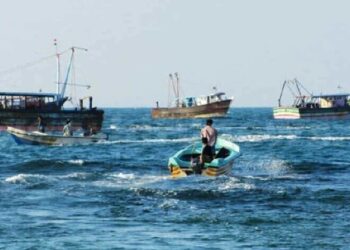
<point x="31" y="64"/>
<point x="26" y="65"/>
<point x="290" y="89"/>
<point x="77" y="84"/>
<point x="304" y="88"/>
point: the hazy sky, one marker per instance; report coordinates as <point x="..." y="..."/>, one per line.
<point x="245" y="48"/>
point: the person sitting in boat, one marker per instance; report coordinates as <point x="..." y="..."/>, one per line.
<point x="41" y="124"/>
<point x="67" y="129"/>
<point x="86" y="130"/>
<point x="210" y="133"/>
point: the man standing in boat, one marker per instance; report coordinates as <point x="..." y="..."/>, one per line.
<point x="67" y="129"/>
<point x="41" y="124"/>
<point x="210" y="133"/>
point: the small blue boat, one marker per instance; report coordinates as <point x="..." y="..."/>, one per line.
<point x="183" y="162"/>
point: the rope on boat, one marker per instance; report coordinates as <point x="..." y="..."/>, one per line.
<point x="30" y="64"/>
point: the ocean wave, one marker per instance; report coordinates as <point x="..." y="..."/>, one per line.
<point x="329" y="138"/>
<point x="113" y="127"/>
<point x="146" y="141"/>
<point x="128" y="180"/>
<point x="27" y="179"/>
<point x="80" y="176"/>
<point x="258" y="138"/>
<point x="169" y="204"/>
<point x="267" y="137"/>
<point x="79" y="162"/>
<point x="234" y="185"/>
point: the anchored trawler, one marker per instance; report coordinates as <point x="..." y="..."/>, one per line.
<point x="213" y="105"/>
<point x="307" y="105"/>
<point x="22" y="109"/>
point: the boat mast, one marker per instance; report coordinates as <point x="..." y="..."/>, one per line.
<point x="61" y="95"/>
<point x="279" y="99"/>
<point x="171" y="85"/>
<point x="58" y="71"/>
<point x="177" y="93"/>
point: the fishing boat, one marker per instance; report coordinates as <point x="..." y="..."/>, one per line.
<point x="183" y="162"/>
<point x="37" y="138"/>
<point x="22" y="109"/>
<point x="307" y="105"/>
<point x="213" y="105"/>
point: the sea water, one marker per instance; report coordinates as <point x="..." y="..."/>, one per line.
<point x="289" y="189"/>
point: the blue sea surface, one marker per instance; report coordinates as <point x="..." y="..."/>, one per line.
<point x="289" y="189"/>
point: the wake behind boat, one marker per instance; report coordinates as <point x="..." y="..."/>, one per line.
<point x="182" y="163"/>
<point x="38" y="138"/>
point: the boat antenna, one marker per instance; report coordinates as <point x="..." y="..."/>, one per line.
<point x="177" y="89"/>
<point x="58" y="71"/>
<point x="171" y="85"/>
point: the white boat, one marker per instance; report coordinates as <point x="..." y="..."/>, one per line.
<point x="38" y="138"/>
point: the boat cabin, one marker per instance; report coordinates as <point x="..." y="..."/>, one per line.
<point x="28" y="101"/>
<point x="323" y="101"/>
<point x="216" y="97"/>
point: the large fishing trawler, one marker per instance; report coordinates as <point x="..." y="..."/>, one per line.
<point x="22" y="109"/>
<point x="307" y="105"/>
<point x="213" y="105"/>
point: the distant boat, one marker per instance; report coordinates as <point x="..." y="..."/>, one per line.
<point x="38" y="138"/>
<point x="181" y="164"/>
<point x="213" y="105"/>
<point x="307" y="105"/>
<point x="21" y="109"/>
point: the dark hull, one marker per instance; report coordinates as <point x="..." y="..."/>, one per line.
<point x="215" y="109"/>
<point x="54" y="120"/>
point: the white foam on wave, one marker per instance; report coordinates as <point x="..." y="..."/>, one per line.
<point x="146" y="141"/>
<point x="77" y="162"/>
<point x="25" y="178"/>
<point x="275" y="166"/>
<point x="234" y="183"/>
<point x="123" y="176"/>
<point x="155" y="128"/>
<point x="329" y="138"/>
<point x="76" y="175"/>
<point x="113" y="127"/>
<point x="169" y="204"/>
<point x="266" y="137"/>
<point x="258" y="138"/>
<point x="127" y="180"/>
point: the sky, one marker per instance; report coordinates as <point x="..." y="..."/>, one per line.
<point x="245" y="48"/>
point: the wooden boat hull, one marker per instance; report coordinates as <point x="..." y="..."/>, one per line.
<point x="54" y="120"/>
<point x="181" y="164"/>
<point x="36" y="138"/>
<point x="216" y="109"/>
<point x="297" y="113"/>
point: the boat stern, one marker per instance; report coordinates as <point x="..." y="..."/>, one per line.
<point x="286" y="113"/>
